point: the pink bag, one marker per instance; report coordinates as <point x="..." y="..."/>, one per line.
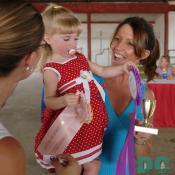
<point x="65" y="127"/>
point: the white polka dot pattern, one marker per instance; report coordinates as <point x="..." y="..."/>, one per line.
<point x="89" y="135"/>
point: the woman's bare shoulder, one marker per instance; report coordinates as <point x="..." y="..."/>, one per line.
<point x="12" y="157"/>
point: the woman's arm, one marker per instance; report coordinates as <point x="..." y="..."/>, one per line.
<point x="12" y="157"/>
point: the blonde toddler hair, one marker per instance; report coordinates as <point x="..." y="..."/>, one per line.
<point x="58" y="19"/>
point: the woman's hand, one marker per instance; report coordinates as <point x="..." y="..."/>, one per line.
<point x="69" y="166"/>
<point x="143" y="142"/>
<point x="170" y="78"/>
<point x="141" y="138"/>
<point x="71" y="99"/>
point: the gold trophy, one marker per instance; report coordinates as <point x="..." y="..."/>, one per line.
<point x="148" y="108"/>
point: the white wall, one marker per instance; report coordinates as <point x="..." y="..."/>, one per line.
<point x="102" y="33"/>
<point x="159" y="28"/>
<point x="171" y="36"/>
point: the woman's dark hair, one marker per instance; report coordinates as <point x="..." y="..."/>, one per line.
<point x="144" y="39"/>
<point x="21" y="32"/>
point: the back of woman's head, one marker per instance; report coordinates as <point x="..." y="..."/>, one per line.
<point x="144" y="39"/>
<point x="21" y="32"/>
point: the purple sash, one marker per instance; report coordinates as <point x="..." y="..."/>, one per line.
<point x="127" y="154"/>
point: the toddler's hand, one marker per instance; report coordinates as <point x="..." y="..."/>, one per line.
<point x="71" y="99"/>
<point x="127" y="67"/>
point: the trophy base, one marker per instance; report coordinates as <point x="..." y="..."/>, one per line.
<point x="153" y="131"/>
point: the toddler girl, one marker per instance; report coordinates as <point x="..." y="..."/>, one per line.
<point x="65" y="73"/>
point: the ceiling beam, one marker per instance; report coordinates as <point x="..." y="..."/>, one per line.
<point x="114" y="7"/>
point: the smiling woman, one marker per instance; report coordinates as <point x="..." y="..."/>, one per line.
<point x="18" y="59"/>
<point x="134" y="41"/>
<point x="21" y="35"/>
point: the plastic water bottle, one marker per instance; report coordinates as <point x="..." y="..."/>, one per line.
<point x="164" y="74"/>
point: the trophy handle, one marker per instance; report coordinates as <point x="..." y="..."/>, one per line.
<point x="153" y="103"/>
<point x="148" y="108"/>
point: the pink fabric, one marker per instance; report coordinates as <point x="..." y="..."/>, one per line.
<point x="65" y="127"/>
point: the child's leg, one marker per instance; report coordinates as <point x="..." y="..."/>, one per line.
<point x="92" y="168"/>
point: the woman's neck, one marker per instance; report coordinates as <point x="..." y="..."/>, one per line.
<point x="7" y="86"/>
<point x="118" y="92"/>
<point x="117" y="81"/>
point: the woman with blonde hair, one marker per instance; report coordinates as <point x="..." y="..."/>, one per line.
<point x="21" y="34"/>
<point x="164" y="69"/>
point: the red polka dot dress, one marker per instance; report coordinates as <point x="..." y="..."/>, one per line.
<point x="87" y="143"/>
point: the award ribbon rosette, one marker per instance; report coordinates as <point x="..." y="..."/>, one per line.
<point x="64" y="128"/>
<point x="127" y="158"/>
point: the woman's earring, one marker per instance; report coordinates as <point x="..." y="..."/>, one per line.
<point x="29" y="69"/>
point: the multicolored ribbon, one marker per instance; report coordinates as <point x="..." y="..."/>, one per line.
<point x="84" y="79"/>
<point x="126" y="160"/>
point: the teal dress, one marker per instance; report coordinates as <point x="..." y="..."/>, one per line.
<point x="115" y="134"/>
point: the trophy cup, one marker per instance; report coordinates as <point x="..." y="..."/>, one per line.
<point x="148" y="108"/>
<point x="148" y="105"/>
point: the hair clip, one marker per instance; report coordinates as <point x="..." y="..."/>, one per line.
<point x="56" y="7"/>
